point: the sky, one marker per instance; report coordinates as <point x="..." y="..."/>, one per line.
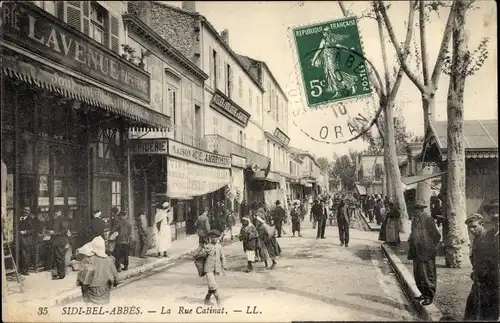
<point x="260" y="29"/>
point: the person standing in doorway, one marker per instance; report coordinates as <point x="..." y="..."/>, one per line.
<point x="141" y="224"/>
<point x="123" y="232"/>
<point x="163" y="234"/>
<point x="343" y="222"/>
<point x="202" y="227"/>
<point x="59" y="237"/>
<point x="423" y="243"/>
<point x="278" y="218"/>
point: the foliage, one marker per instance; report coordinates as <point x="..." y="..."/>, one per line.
<point x="323" y="163"/>
<point x="473" y="60"/>
<point x="343" y="169"/>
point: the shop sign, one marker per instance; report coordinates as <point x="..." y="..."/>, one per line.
<point x="226" y="106"/>
<point x="177" y="149"/>
<point x="281" y="136"/>
<point x="238" y="161"/>
<point x="148" y="146"/>
<point x="274" y="177"/>
<point x="32" y="28"/>
<point x="43" y="76"/>
<point x="189" y="179"/>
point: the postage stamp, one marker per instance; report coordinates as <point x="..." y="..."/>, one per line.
<point x="331" y="61"/>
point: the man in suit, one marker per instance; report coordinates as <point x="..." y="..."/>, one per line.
<point x="59" y="237"/>
<point x="278" y="218"/>
<point x="343" y="221"/>
<point x="320" y="213"/>
<point x="123" y="230"/>
<point x="28" y="228"/>
<point x="202" y="227"/>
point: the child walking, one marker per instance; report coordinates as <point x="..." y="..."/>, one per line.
<point x="215" y="264"/>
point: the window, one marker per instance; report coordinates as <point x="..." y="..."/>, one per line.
<point x="250" y="99"/>
<point x="49" y="6"/>
<point x="277" y="111"/>
<point x="268" y="149"/>
<point x="240" y="87"/>
<point x="244" y="140"/>
<point x="272" y="104"/>
<point x="97" y="22"/>
<point x="240" y="138"/>
<point x="229" y="80"/>
<point x="116" y="194"/>
<point x="216" y="125"/>
<point x="109" y="141"/>
<point x="172" y="103"/>
<point x="214" y="63"/>
<point x="230" y="132"/>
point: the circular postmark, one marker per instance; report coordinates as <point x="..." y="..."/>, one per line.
<point x="332" y="101"/>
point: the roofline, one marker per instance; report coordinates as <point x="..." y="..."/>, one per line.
<point x="141" y="28"/>
<point x="205" y="21"/>
<point x="270" y="73"/>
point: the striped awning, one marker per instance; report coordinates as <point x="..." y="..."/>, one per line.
<point x="43" y="76"/>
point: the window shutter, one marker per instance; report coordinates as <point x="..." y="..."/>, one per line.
<point x="211" y="60"/>
<point x="114" y="34"/>
<point x="86" y="17"/>
<point x="74" y="14"/>
<point x="231" y="84"/>
<point x="61" y="8"/>
<point x="170" y="98"/>
<point x="226" y="87"/>
<point x="219" y="72"/>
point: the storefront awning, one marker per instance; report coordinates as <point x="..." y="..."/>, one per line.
<point x="416" y="179"/>
<point x="361" y="189"/>
<point x="271" y="177"/>
<point x="55" y="80"/>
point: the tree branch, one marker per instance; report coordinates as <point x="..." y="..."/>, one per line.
<point x="438" y="68"/>
<point x="402" y="55"/>
<point x="423" y="43"/>
<point x="382" y="47"/>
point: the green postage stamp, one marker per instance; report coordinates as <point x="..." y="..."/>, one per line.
<point x="331" y="61"/>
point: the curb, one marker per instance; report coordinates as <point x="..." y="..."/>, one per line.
<point x="128" y="277"/>
<point x="428" y="313"/>
<point x="366" y="222"/>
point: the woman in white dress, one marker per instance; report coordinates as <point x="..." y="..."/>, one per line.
<point x="163" y="235"/>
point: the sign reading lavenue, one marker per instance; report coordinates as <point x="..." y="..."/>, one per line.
<point x="226" y="106"/>
<point x="329" y="71"/>
<point x="182" y="151"/>
<point x="281" y="136"/>
<point x="30" y="27"/>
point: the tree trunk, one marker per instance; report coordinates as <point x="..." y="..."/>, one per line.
<point x="392" y="169"/>
<point x="388" y="185"/>
<point x="423" y="191"/>
<point x="457" y="240"/>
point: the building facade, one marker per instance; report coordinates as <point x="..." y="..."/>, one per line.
<point x="69" y="100"/>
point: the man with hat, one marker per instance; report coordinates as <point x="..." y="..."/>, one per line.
<point x="482" y="303"/>
<point x="202" y="227"/>
<point x="278" y="217"/>
<point x="423" y="243"/>
<point x="320" y="214"/>
<point x="296" y="217"/>
<point x="215" y="264"/>
<point x="122" y="234"/>
<point x="343" y="222"/>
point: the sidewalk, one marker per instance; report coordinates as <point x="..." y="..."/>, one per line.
<point x="41" y="289"/>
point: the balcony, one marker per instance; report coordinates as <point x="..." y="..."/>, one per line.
<point x="223" y="146"/>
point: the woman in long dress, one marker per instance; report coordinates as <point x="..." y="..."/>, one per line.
<point x="163" y="234"/>
<point x="325" y="57"/>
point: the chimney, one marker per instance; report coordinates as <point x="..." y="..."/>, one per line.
<point x="225" y="36"/>
<point x="189" y="6"/>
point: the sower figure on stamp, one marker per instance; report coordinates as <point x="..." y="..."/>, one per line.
<point x="423" y="243"/>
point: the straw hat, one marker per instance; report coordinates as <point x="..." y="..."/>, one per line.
<point x="474" y="217"/>
<point x="213" y="233"/>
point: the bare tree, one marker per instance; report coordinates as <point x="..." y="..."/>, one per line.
<point x="387" y="94"/>
<point x="457" y="237"/>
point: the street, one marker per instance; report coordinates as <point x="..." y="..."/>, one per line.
<point x="314" y="280"/>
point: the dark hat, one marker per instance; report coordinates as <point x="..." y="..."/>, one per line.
<point x="419" y="205"/>
<point x="474" y="217"/>
<point x="278" y="202"/>
<point x="213" y="233"/>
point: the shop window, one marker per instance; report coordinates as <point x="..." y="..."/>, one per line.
<point x="116" y="194"/>
<point x="58" y="191"/>
<point x="43" y="158"/>
<point x="98" y="17"/>
<point x="43" y="191"/>
<point x="109" y="143"/>
<point x="172" y="103"/>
